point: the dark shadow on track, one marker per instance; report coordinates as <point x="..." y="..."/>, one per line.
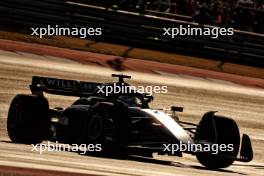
<point x="178" y="164"/>
<point x="256" y="166"/>
<point x="167" y="163"/>
<point x="218" y="170"/>
<point x="5" y="141"/>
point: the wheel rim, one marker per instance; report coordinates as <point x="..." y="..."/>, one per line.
<point x="95" y="127"/>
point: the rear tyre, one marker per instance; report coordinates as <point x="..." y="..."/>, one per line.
<point x="103" y="127"/>
<point x="225" y="132"/>
<point x="28" y="120"/>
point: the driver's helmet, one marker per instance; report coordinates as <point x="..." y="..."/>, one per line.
<point x="130" y="101"/>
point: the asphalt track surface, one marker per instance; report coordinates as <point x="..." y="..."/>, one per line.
<point x="197" y="95"/>
<point x="124" y="63"/>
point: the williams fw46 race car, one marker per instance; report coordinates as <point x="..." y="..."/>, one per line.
<point x="122" y="123"/>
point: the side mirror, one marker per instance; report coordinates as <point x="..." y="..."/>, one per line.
<point x="148" y="97"/>
<point x="177" y="109"/>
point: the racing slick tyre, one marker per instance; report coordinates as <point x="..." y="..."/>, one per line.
<point x="103" y="127"/>
<point x="219" y="130"/>
<point x="28" y="120"/>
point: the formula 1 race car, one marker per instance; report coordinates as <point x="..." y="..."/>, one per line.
<point x="122" y="123"/>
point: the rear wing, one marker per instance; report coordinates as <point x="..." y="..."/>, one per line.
<point x="62" y="86"/>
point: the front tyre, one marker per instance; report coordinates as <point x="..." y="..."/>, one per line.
<point x="28" y="120"/>
<point x="219" y="130"/>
